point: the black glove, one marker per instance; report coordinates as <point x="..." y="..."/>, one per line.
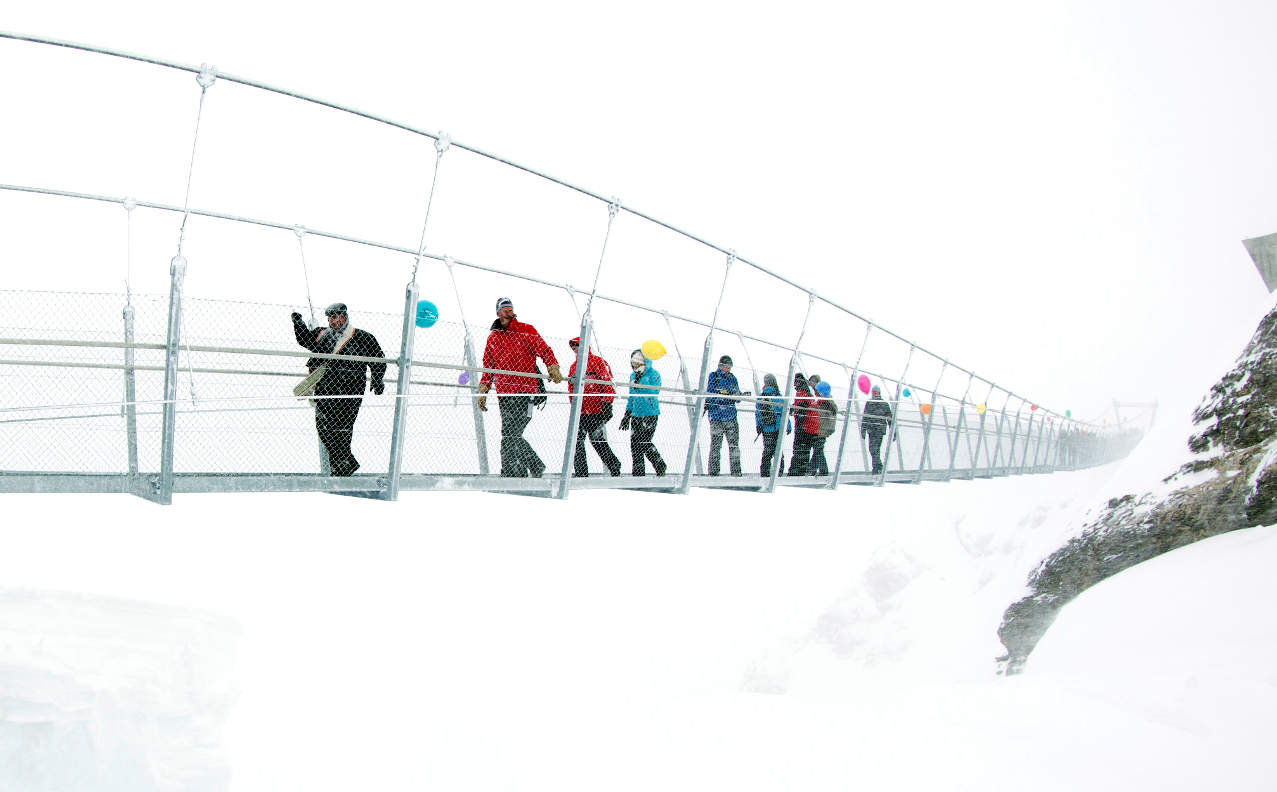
<point x="379" y="388"/>
<point x="607" y="411"/>
<point x="625" y="421"/>
<point x="297" y="318"/>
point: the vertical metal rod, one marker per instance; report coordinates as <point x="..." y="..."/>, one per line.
<point x="846" y="412"/>
<point x="957" y="434"/>
<point x="1047" y="462"/>
<point x="694" y="428"/>
<point x="1037" y="450"/>
<point x="480" y="435"/>
<point x="574" y="408"/>
<point x="1015" y="434"/>
<point x="696" y="413"/>
<point x="926" y="431"/>
<point x="997" y="448"/>
<point x="1028" y="438"/>
<point x="785" y="411"/>
<point x="979" y="442"/>
<point x="894" y="438"/>
<point x="402" y="386"/>
<point x="975" y="457"/>
<point x="163" y="486"/>
<point x="130" y="394"/>
<point x="682" y="377"/>
<point x="790" y="395"/>
<point x="948" y="441"/>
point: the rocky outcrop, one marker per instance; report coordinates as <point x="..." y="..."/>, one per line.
<point x="1232" y="484"/>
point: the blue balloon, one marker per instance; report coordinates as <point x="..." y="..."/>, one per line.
<point x="906" y="393"/>
<point x="427" y="313"/>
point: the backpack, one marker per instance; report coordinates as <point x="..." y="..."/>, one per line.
<point x="828" y="418"/>
<point x="765" y="415"/>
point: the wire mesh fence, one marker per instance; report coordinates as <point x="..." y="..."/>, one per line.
<point x="84" y="397"/>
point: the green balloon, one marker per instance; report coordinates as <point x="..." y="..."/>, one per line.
<point x="1068" y="413"/>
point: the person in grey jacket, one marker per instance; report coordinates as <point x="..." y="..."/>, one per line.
<point x="875" y="424"/>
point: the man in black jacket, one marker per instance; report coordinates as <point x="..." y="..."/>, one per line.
<point x="875" y="424"/>
<point x="335" y="417"/>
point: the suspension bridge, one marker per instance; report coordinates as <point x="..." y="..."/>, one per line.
<point x="160" y="393"/>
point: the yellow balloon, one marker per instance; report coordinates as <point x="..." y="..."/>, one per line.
<point x="653" y="349"/>
<point x="980" y="408"/>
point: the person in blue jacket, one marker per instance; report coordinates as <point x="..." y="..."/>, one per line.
<point x="767" y="414"/>
<point x="722" y="416"/>
<point x="642" y="410"/>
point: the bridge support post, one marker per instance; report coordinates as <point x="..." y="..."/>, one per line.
<point x="975" y="458"/>
<point x="926" y="431"/>
<point x="894" y="438"/>
<point x="846" y="412"/>
<point x="790" y="395"/>
<point x="404" y="382"/>
<point x="162" y="486"/>
<point x="480" y="435"/>
<point x="130" y="396"/>
<point x="577" y="401"/>
<point x="1028" y="438"/>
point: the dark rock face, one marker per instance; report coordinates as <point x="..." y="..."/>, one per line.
<point x="1237" y="419"/>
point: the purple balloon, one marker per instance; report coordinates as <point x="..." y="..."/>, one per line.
<point x="464" y="378"/>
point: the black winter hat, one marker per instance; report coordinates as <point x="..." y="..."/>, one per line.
<point x="725" y="360"/>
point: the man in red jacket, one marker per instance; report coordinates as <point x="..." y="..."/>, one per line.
<point x="515" y="346"/>
<point x="596" y="411"/>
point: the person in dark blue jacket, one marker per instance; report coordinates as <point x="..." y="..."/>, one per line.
<point x="642" y="411"/>
<point x="767" y="414"/>
<point x="722" y="417"/>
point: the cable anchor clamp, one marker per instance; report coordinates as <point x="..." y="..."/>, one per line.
<point x="443" y="143"/>
<point x="129" y="204"/>
<point x="613" y="207"/>
<point x="207" y="76"/>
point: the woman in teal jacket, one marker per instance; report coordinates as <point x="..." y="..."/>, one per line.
<point x="642" y="410"/>
<point x="767" y="414"/>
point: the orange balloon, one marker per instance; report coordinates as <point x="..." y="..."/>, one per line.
<point x="926" y="409"/>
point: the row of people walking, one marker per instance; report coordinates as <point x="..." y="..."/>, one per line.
<point x="337" y="386"/>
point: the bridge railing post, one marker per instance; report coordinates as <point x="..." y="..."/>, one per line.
<point x="894" y="438"/>
<point x="846" y="413"/>
<point x="577" y="402"/>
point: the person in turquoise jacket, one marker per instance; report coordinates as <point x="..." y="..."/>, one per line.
<point x="642" y="411"/>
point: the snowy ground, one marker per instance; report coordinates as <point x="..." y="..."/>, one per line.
<point x="629" y="640"/>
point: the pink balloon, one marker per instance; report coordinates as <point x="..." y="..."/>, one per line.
<point x="863" y="383"/>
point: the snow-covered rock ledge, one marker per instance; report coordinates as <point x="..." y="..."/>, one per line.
<point x="1230" y="483"/>
<point x="99" y="693"/>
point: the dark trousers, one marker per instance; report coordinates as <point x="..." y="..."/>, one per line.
<point x="335" y="424"/>
<point x="641" y="446"/>
<point x="718" y="430"/>
<point x="769" y="450"/>
<point x="802" y="453"/>
<point x="875" y="447"/>
<point x="819" y="465"/>
<point x="518" y="458"/>
<point x="594" y="425"/>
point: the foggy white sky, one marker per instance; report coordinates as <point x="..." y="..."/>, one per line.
<point x="1053" y="196"/>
